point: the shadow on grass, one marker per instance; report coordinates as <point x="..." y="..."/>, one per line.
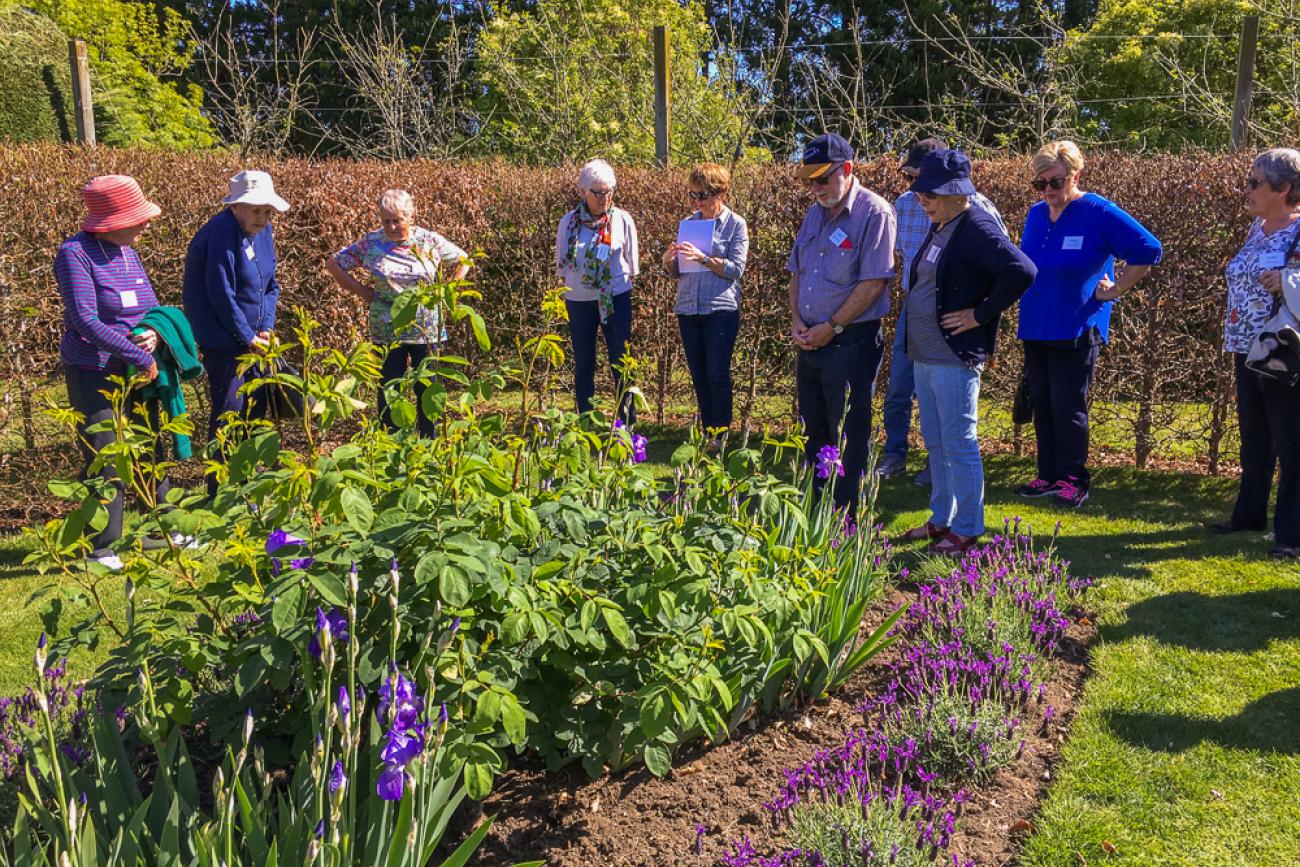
<point x="1270" y="724"/>
<point x="1240" y="623"/>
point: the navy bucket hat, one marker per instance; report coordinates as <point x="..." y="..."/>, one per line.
<point x="944" y="172"/>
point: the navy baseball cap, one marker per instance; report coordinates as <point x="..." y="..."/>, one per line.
<point x="918" y="151"/>
<point x="823" y="152"/>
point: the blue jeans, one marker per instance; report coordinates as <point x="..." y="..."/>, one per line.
<point x="708" y="342"/>
<point x="897" y="410"/>
<point x="843" y="372"/>
<point x="584" y="320"/>
<point x="948" y="398"/>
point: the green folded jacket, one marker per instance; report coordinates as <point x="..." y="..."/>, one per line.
<point x="177" y="358"/>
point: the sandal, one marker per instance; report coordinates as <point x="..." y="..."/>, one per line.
<point x="923" y="533"/>
<point x="953" y="545"/>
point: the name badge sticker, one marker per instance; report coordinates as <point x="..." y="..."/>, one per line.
<point x="129" y="299"/>
<point x="602" y="252"/>
<point x="248" y="251"/>
<point x="1072" y="242"/>
<point x="932" y="254"/>
<point x="1272" y="261"/>
<point x="139" y="281"/>
<point x="838" y="237"/>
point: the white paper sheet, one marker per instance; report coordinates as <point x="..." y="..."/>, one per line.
<point x="699" y="233"/>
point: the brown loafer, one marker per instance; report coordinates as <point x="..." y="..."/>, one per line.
<point x="923" y="533"/>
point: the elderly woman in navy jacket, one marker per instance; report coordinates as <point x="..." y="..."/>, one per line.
<point x="964" y="276"/>
<point x="231" y="291"/>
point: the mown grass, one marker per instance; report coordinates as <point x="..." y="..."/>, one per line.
<point x="1186" y="745"/>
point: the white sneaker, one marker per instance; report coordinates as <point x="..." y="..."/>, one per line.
<point x="107" y="559"/>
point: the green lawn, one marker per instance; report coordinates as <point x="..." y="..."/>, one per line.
<point x="1186" y="746"/>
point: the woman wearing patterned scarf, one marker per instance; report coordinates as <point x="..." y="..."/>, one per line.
<point x="596" y="256"/>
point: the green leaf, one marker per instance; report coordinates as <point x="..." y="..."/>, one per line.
<point x="618" y="627"/>
<point x="403" y="412"/>
<point x="330" y="587"/>
<point x="357" y="509"/>
<point x="658" y="759"/>
<point x="513" y="720"/>
<point x="454" y="586"/>
<point x="250" y="674"/>
<point x="684" y="454"/>
<point x="286" y="610"/>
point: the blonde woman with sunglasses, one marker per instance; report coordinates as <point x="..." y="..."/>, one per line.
<point x="708" y="295"/>
<point x="1074" y="238"/>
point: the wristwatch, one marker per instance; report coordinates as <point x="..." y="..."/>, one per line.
<point x="835" y="326"/>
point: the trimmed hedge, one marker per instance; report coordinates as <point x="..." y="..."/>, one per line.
<point x="1164" y="376"/>
<point x="35" y="80"/>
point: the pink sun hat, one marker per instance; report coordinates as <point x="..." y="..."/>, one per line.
<point x="115" y="202"/>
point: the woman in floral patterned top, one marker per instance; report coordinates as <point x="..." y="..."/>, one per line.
<point x="399" y="256"/>
<point x="1268" y="411"/>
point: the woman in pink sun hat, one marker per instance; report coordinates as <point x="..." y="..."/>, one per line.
<point x="105" y="293"/>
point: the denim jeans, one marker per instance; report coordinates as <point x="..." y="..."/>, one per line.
<point x="84" y="394"/>
<point x="708" y="342"/>
<point x="1059" y="381"/>
<point x="948" y="398"/>
<point x="842" y="373"/>
<point x="897" y="410"/>
<point x="584" y="320"/>
<point x="399" y="359"/>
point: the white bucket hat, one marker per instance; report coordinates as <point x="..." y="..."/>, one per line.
<point x="254" y="188"/>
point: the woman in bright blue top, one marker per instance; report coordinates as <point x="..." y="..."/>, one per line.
<point x="1074" y="238"/>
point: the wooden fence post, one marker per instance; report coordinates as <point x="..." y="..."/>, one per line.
<point x="82" y="103"/>
<point x="662" y="96"/>
<point x="1245" y="83"/>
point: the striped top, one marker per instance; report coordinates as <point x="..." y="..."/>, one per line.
<point x="105" y="294"/>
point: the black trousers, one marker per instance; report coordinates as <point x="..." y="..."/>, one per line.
<point x="1268" y="417"/>
<point x="85" y="389"/>
<point x="841" y="374"/>
<point x="1059" y="380"/>
<point x="400" y="358"/>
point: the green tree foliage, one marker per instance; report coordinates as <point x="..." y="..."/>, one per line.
<point x="133" y="50"/>
<point x="1165" y="71"/>
<point x="35" y="91"/>
<point x="568" y="81"/>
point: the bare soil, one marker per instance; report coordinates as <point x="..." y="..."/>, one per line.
<point x="636" y="819"/>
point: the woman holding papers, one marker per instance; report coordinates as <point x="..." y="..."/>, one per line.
<point x="1268" y="411"/>
<point x="707" y="262"/>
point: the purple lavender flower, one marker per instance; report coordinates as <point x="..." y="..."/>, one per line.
<point x="828" y="462"/>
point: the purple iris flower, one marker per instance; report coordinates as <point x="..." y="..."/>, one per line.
<point x="278" y="539"/>
<point x="337" y="624"/>
<point x="390" y="784"/>
<point x="639" y="444"/>
<point x="828" y="462"/>
<point x="402" y="747"/>
<point x="344" y="704"/>
<point x="304" y="563"/>
<point x="337" y="778"/>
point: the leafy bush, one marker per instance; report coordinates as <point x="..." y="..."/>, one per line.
<point x="35" y="86"/>
<point x="601" y="615"/>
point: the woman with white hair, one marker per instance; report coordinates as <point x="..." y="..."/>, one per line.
<point x="596" y="256"/>
<point x="399" y="256"/>
<point x="1268" y="410"/>
<point x="231" y="292"/>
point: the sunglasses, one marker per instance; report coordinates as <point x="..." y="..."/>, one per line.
<point x="602" y="194"/>
<point x="1056" y="183"/>
<point x="698" y="196"/>
<point x="826" y="178"/>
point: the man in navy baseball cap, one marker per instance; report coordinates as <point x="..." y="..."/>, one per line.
<point x="822" y="154"/>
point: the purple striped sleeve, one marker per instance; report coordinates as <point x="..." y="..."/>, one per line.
<point x="81" y="304"/>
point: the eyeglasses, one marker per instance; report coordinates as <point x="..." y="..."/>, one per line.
<point x="602" y="194"/>
<point x="698" y="196"/>
<point x="1055" y="183"/>
<point x="1255" y="183"/>
<point x="926" y="197"/>
<point x="826" y="178"/>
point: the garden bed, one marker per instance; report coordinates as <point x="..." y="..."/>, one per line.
<point x="637" y="819"/>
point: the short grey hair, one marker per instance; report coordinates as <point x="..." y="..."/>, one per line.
<point x="593" y="172"/>
<point x="1281" y="166"/>
<point x="398" y="202"/>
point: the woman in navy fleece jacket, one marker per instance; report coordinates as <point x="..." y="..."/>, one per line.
<point x="231" y="291"/>
<point x="1074" y="238"/>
